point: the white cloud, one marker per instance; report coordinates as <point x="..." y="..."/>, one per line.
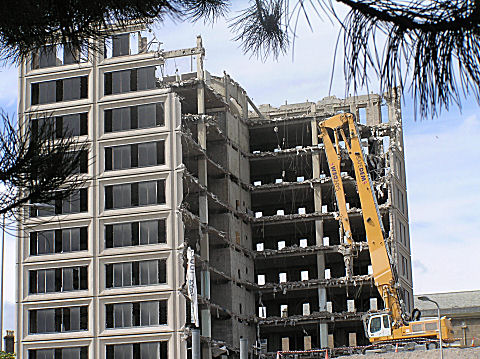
<point x="444" y="202"/>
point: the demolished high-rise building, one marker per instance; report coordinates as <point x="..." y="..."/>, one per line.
<point x="188" y="160"/>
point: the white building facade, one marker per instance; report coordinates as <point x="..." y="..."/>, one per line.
<point x="100" y="276"/>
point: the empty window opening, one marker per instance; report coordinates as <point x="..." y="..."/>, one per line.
<point x="278" y="180"/>
<point x="260" y="247"/>
<point x="306" y="309"/>
<point x="261" y="279"/>
<point x="284" y="310"/>
<point x="302" y="210"/>
<point x="326" y="241"/>
<point x="58" y="55"/>
<point x="282" y="277"/>
<point x="300" y="179"/>
<point x="304" y="274"/>
<point x="327" y="273"/>
<point x="351" y="305"/>
<point x="262" y="312"/>
<point x="280" y="212"/>
<point x="362" y="114"/>
<point x="384" y="113"/>
<point x="130" y="44"/>
<point x="373" y="304"/>
<point x="257" y="183"/>
<point x="329" y="307"/>
<point x="258" y="214"/>
<point x="281" y="245"/>
<point x="303" y="243"/>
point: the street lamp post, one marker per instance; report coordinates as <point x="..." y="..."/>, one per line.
<point x="33" y="205"/>
<point x="426" y="299"/>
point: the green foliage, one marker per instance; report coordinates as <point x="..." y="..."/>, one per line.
<point x="4" y="355"/>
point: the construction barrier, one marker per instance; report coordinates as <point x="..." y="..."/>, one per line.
<point x="319" y="351"/>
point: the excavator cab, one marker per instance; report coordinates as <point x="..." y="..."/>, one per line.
<point x="378" y="325"/>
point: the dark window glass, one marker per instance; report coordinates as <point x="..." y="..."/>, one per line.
<point x="45" y="242"/>
<point x="147" y="193"/>
<point x="135" y="273"/>
<point x="147" y="154"/>
<point x="58" y="280"/>
<point x="128" y="118"/>
<point x="71" y="55"/>
<point x="129" y="80"/>
<point x="121" y="157"/>
<point x="58" y="241"/>
<point x="71" y="89"/>
<point x="146" y="78"/>
<point x="135" y="155"/>
<point x="135" y="233"/>
<point x="59" y="90"/>
<point x="41" y="354"/>
<point x="135" y="194"/>
<point x="120" y="81"/>
<point x="71" y="204"/>
<point x="46" y="92"/>
<point x="121" y="45"/>
<point x="148" y="272"/>
<point x="143" y="314"/>
<point x="147" y="116"/>
<point x="47" y="56"/>
<point x="73" y="125"/>
<point x="150" y="350"/>
<point x="121" y="196"/>
<point x="75" y="203"/>
<point x="64" y="126"/>
<point x="53" y="320"/>
<point x="120" y="119"/>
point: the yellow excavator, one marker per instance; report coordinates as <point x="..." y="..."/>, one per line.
<point x="391" y="324"/>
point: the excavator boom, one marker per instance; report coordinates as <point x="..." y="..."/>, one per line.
<point x="383" y="273"/>
<point x="391" y="324"/>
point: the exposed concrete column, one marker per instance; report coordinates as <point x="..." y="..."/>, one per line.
<point x="317" y="198"/>
<point x="206" y="325"/>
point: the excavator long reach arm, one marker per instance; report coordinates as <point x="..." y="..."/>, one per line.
<point x="383" y="274"/>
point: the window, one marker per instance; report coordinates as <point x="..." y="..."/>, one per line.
<point x="59" y="353"/>
<point x="64" y="126"/>
<point x="58" y="280"/>
<point x="77" y="202"/>
<point x="74" y="88"/>
<point x="58" y="320"/>
<point x="73" y="204"/>
<point x="152" y="350"/>
<point x="71" y="125"/>
<point x="136" y="314"/>
<point x="405" y="271"/>
<point x="135" y="155"/>
<point x="375" y="324"/>
<point x="135" y="194"/>
<point x="46" y="57"/>
<point x="57" y="55"/>
<point x="58" y="241"/>
<point x="137" y="273"/>
<point x="386" y="321"/>
<point x="82" y="161"/>
<point x="129" y="80"/>
<point x="121" y="45"/>
<point x="133" y="117"/>
<point x="135" y="233"/>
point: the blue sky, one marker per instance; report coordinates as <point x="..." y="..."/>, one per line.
<point x="443" y="173"/>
